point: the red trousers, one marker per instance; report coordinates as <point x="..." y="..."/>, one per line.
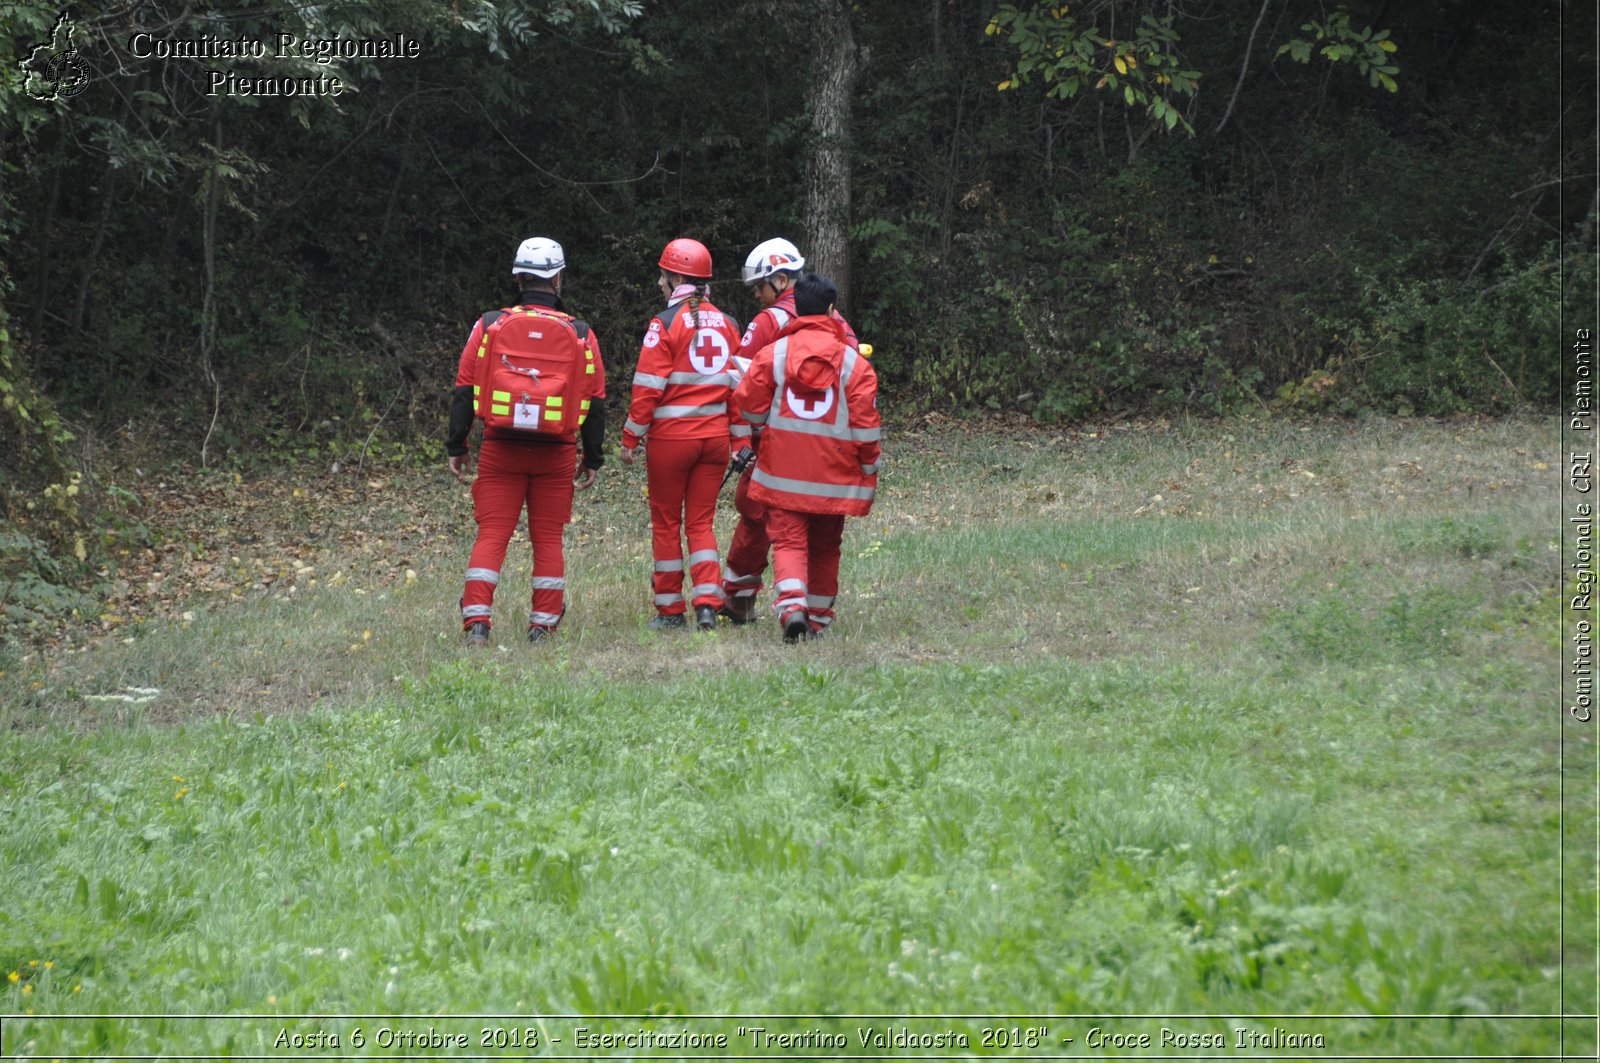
<point x="684" y="476"/>
<point x="511" y="476"/>
<point x="805" y="562"/>
<point x="747" y="553"/>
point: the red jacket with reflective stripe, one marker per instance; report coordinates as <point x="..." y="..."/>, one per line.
<point x="817" y="399"/>
<point x="771" y="320"/>
<point x="762" y="331"/>
<point x="684" y="377"/>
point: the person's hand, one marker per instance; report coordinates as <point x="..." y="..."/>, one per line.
<point x="461" y="467"/>
<point x="742" y="460"/>
<point x="585" y="477"/>
<point x="628" y="455"/>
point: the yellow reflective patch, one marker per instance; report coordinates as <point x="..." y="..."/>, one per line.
<point x="501" y="396"/>
<point x="552" y="415"/>
<point x="477" y="389"/>
<point x="501" y="410"/>
<point x="585" y="405"/>
<point x="553" y="400"/>
<point x="589" y="369"/>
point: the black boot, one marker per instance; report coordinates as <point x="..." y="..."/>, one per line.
<point x="706" y="617"/>
<point x="795" y="625"/>
<point x="478" y="633"/>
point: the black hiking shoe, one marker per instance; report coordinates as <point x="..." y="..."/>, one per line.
<point x="537" y="633"/>
<point x="795" y="625"/>
<point x="706" y="618"/>
<point x="478" y="633"/>
<point x="663" y="621"/>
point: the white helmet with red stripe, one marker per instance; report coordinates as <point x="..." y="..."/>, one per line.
<point x="772" y="256"/>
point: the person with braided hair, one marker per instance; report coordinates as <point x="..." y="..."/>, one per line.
<point x="680" y="401"/>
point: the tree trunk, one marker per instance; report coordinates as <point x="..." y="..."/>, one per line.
<point x="835" y="68"/>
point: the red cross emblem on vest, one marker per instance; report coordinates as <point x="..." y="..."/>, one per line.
<point x="810" y="408"/>
<point x="710" y="352"/>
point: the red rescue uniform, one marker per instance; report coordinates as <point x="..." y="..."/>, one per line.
<point x="816" y="399"/>
<point x="747" y="550"/>
<point x="681" y="391"/>
<point x="517" y="470"/>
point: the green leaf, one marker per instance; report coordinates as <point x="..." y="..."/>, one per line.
<point x="1127" y="94"/>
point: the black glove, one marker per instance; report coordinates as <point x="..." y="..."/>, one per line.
<point x="742" y="460"/>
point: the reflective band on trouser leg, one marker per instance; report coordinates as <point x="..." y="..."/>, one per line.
<point x="549" y="502"/>
<point x="666" y="581"/>
<point x="477" y="597"/>
<point x="788" y="530"/>
<point x="677" y="479"/>
<point x="549" y="600"/>
<point x="498" y="494"/>
<point x="791" y="594"/>
<point x="826" y="532"/>
<point x="819" y="610"/>
<point x="747" y="551"/>
<point x="702" y="484"/>
<point x="737" y="586"/>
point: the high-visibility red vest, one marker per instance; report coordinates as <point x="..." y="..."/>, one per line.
<point x="816" y="401"/>
<point x="771" y="320"/>
<point x="763" y="330"/>
<point x="683" y="380"/>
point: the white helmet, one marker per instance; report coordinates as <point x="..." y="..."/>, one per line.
<point x="772" y="256"/>
<point x="540" y="256"/>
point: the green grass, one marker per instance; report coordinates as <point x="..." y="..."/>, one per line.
<point x="1275" y="755"/>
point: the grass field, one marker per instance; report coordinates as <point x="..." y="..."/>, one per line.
<point x="1254" y="720"/>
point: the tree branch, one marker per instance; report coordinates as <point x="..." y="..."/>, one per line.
<point x="1244" y="67"/>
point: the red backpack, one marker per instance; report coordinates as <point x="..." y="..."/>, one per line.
<point x="536" y="371"/>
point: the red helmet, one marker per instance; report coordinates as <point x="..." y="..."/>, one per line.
<point x="688" y="258"/>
